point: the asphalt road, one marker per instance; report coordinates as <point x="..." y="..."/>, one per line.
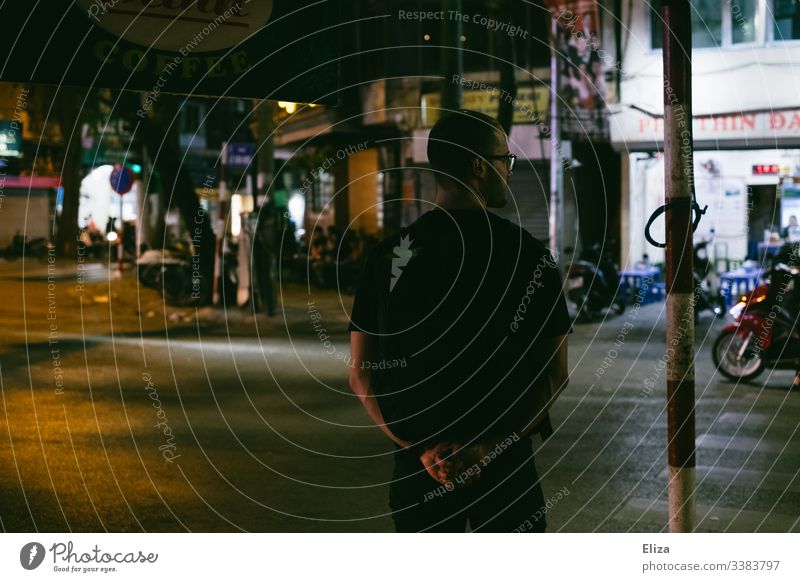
<point x="167" y="420"/>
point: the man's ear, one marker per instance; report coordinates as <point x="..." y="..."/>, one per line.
<point x="478" y="167"/>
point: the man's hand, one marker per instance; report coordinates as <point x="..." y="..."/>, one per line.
<point x="441" y="463"/>
<point x="449" y="462"/>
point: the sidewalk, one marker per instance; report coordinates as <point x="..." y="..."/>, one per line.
<point x="93" y="299"/>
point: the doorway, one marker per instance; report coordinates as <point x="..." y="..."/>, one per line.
<point x="764" y="208"/>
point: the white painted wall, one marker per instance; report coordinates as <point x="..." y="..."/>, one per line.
<point x="724" y="79"/>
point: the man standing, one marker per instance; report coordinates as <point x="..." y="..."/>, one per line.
<point x="472" y="306"/>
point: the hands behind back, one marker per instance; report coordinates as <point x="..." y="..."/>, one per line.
<point x="448" y="460"/>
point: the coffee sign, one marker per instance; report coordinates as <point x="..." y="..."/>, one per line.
<point x="276" y="49"/>
<point x="173" y="24"/>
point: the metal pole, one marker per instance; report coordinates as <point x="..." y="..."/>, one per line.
<point x="678" y="153"/>
<point x="264" y="237"/>
<point x="120" y="245"/>
<point x="556" y="173"/>
<point x="452" y="57"/>
<point x="221" y="226"/>
<point x="142" y="204"/>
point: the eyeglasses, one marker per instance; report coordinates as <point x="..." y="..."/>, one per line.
<point x="510" y="159"/>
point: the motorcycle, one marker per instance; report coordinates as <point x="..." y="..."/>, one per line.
<point x="168" y="271"/>
<point x="23" y="246"/>
<point x="766" y="332"/>
<point x="593" y="284"/>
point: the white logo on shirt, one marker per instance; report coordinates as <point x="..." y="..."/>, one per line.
<point x="403" y="254"/>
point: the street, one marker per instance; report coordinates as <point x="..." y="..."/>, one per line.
<point x="174" y="420"/>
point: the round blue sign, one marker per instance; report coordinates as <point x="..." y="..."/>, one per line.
<point x="122" y="179"/>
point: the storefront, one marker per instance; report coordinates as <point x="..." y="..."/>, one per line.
<point x="101" y="205"/>
<point x="28" y="205"/>
<point x="746" y="170"/>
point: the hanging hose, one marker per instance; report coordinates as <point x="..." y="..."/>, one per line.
<point x="695" y="207"/>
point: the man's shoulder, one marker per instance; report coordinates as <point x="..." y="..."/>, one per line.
<point x="511" y="233"/>
<point x="405" y="237"/>
<point x="515" y="232"/>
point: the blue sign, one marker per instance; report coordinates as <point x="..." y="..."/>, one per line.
<point x="122" y="179"/>
<point x="240" y="154"/>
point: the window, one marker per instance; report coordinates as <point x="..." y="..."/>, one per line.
<point x="732" y="23"/>
<point x="656" y="24"/>
<point x="744" y="14"/>
<point x="786" y="20"/>
<point x="706" y="23"/>
<point x="322" y="190"/>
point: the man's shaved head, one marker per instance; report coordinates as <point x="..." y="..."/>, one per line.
<point x="459" y="137"/>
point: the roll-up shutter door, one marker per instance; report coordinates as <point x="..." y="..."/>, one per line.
<point x="529" y="199"/>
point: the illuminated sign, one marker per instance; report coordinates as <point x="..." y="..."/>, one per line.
<point x="766" y="169"/>
<point x="531" y="106"/>
<point x="240" y="154"/>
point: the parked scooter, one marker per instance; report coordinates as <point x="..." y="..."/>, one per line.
<point x="593" y="284"/>
<point x="168" y="271"/>
<point x="767" y="334"/>
<point x="23" y="246"/>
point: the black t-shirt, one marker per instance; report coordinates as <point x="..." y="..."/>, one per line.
<point x="455" y="301"/>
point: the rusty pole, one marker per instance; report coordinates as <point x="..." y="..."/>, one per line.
<point x="678" y="152"/>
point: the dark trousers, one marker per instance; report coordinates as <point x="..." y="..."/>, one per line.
<point x="506" y="498"/>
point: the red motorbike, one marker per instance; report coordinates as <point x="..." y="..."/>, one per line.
<point x="767" y="330"/>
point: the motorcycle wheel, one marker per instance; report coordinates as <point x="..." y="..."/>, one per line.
<point x="150" y="275"/>
<point x="176" y="285"/>
<point x="724" y="354"/>
<point x="618" y="307"/>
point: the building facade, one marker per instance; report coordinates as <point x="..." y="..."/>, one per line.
<point x="746" y="123"/>
<point x="363" y="165"/>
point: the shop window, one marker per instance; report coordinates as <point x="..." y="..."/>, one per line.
<point x="786" y="20"/>
<point x="322" y="189"/>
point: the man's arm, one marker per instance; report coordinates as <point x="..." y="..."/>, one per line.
<point x="364" y="348"/>
<point x="550" y="356"/>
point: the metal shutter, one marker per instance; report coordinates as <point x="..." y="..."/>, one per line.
<point x="529" y="198"/>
